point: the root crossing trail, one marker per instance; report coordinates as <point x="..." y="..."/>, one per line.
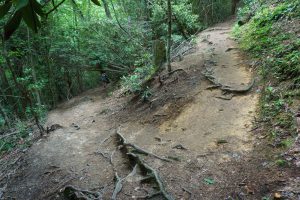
<point x="205" y="133"/>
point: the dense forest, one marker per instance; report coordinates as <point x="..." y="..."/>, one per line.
<point x="53" y="51"/>
<point x="60" y="50"/>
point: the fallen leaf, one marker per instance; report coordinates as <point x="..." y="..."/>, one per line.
<point x="209" y="181"/>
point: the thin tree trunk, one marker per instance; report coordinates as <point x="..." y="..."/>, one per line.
<point x="169" y="36"/>
<point x="106" y="8"/>
<point x="233" y="6"/>
<point x="5" y="117"/>
<point x="23" y="90"/>
<point x="6" y="89"/>
<point x="33" y="73"/>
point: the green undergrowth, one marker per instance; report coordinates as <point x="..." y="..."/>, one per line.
<point x="136" y="82"/>
<point x="20" y="138"/>
<point x="271" y="38"/>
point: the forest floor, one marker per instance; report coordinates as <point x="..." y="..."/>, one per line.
<point x="208" y="135"/>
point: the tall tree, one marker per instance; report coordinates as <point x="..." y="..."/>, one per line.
<point x="169" y="37"/>
<point x="106" y="8"/>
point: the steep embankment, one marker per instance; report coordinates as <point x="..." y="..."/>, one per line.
<point x="272" y="38"/>
<point x="206" y="131"/>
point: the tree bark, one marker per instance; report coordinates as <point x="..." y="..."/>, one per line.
<point x="5" y="117"/>
<point x="107" y="10"/>
<point x="169" y="36"/>
<point x="33" y="73"/>
<point x="233" y="6"/>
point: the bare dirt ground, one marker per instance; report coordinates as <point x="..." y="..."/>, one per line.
<point x="205" y="133"/>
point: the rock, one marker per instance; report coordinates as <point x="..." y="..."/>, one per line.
<point x="53" y="128"/>
<point x="277" y="195"/>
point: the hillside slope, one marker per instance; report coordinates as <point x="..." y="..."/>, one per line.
<point x="203" y="128"/>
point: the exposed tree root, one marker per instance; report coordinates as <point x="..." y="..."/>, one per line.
<point x="230" y="49"/>
<point x="165" y="76"/>
<point x="208" y="73"/>
<point x="119" y="182"/>
<point x="74" y="193"/>
<point x="54" y="190"/>
<point x="188" y="191"/>
<point x="227" y="98"/>
<point x="139" y="149"/>
<point x="151" y="174"/>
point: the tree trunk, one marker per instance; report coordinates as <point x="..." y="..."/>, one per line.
<point x="5" y="117"/>
<point x="233" y="6"/>
<point x="36" y="92"/>
<point x="6" y="89"/>
<point x="159" y="52"/>
<point x="25" y="93"/>
<point x="106" y="8"/>
<point x="169" y="36"/>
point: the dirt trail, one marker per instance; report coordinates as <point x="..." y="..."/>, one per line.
<point x="214" y="131"/>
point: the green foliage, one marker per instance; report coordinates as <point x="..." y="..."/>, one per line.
<point x="281" y="162"/>
<point x="185" y="21"/>
<point x="20" y="138"/>
<point x="211" y="11"/>
<point x="2" y="122"/>
<point x="146" y="94"/>
<point x="31" y="11"/>
<point x="276" y="46"/>
<point x="134" y="83"/>
<point x="209" y="181"/>
<point x="263" y="36"/>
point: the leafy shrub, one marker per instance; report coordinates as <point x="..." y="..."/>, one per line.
<point x="277" y="50"/>
<point x="134" y="82"/>
<point x="261" y="36"/>
<point x="185" y="20"/>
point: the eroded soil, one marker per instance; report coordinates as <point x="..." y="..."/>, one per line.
<point x="222" y="160"/>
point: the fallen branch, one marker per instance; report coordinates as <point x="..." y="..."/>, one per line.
<point x="10" y="134"/>
<point x="139" y="149"/>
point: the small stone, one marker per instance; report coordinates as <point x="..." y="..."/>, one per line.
<point x="297" y="163"/>
<point x="277" y="195"/>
